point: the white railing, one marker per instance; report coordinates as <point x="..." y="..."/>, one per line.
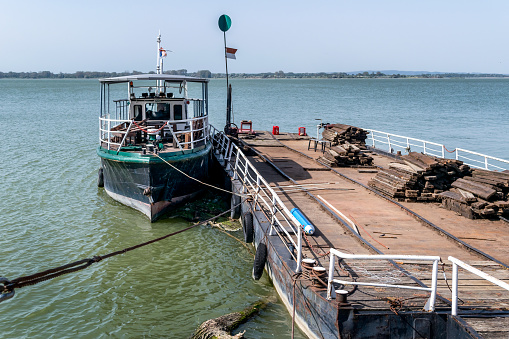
<point x="194" y="129"/>
<point x="455" y="264"/>
<point x="106" y="133"/>
<point x="240" y="168"/>
<point x="396" y="142"/>
<point x="478" y="160"/>
<point x="433" y="289"/>
<point x="198" y="130"/>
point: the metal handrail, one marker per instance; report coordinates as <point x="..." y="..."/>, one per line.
<point x="239" y="167"/>
<point x="105" y="132"/>
<point x="406" y="144"/>
<point x="432" y="289"/>
<point x="455" y="263"/>
<point x="485" y="162"/>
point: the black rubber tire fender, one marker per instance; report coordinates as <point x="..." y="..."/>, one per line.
<point x="247" y="227"/>
<point x="259" y="261"/>
<point x="236" y="207"/>
<point x="100" y="177"/>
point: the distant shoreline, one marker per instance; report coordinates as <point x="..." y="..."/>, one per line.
<point x="267" y="75"/>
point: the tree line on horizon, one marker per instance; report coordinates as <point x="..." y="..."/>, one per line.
<point x="210" y="75"/>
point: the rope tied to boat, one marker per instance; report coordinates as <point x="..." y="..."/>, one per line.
<point x="7" y="287"/>
<point x="242" y="195"/>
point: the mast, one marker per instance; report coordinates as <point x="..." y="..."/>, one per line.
<point x="159" y="67"/>
<point x="159" y="59"/>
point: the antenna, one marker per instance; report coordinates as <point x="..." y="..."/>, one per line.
<point x="158" y="66"/>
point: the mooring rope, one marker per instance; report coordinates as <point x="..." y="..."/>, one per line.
<point x="201" y="182"/>
<point x="9" y="286"/>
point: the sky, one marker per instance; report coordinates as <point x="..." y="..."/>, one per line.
<point x="291" y="36"/>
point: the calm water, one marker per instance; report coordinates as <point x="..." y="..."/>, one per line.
<point x="53" y="213"/>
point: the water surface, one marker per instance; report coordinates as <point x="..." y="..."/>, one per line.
<point x="53" y="213"/>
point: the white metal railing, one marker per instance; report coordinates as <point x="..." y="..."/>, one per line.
<point x="432" y="289"/>
<point x="197" y="130"/>
<point x="396" y="142"/>
<point x="106" y="134"/>
<point x="479" y="160"/>
<point x="240" y="168"/>
<point x="455" y="263"/>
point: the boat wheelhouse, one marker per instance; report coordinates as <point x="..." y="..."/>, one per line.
<point x="154" y="140"/>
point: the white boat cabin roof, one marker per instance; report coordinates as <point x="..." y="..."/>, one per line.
<point x="164" y="77"/>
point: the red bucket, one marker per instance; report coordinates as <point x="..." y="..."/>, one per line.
<point x="275" y="130"/>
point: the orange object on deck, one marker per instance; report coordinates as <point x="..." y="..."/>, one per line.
<point x="246" y="127"/>
<point x="302" y="131"/>
<point x="275" y="130"/>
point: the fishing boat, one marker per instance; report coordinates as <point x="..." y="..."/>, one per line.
<point x="153" y="139"/>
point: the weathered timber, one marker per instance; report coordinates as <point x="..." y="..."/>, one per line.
<point x="402" y="168"/>
<point x="454" y="196"/>
<point x="222" y="326"/>
<point x="469" y="197"/>
<point x="480" y="190"/>
<point x="458" y="207"/>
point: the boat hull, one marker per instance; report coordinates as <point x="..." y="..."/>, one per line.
<point x="151" y="185"/>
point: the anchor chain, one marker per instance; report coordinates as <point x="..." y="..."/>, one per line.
<point x="7" y="287"/>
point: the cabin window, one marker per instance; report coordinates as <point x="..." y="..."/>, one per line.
<point x="177" y="112"/>
<point x="157" y="111"/>
<point x="138" y="113"/>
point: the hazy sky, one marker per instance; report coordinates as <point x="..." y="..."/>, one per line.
<point x="293" y="36"/>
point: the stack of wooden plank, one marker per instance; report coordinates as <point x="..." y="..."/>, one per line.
<point x="483" y="195"/>
<point x="345" y="155"/>
<point x="418" y="177"/>
<point x="339" y="134"/>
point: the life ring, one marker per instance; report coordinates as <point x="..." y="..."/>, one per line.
<point x="259" y="261"/>
<point x="235" y="206"/>
<point x="100" y="177"/>
<point x="247" y="227"/>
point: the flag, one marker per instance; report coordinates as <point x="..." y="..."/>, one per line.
<point x="230" y="53"/>
<point x="162" y="52"/>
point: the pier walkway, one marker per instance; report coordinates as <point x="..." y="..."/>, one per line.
<point x="371" y="224"/>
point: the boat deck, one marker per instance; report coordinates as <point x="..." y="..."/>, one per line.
<point x="388" y="227"/>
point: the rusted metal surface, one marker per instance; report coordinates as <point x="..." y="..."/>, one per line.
<point x="384" y="228"/>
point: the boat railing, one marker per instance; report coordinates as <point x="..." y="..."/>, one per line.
<point x="455" y="263"/>
<point x="265" y="199"/>
<point x="108" y="131"/>
<point x="478" y="160"/>
<point x="393" y="142"/>
<point x="195" y="132"/>
<point x="430" y="305"/>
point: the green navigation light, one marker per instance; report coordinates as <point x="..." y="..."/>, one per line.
<point x="224" y="22"/>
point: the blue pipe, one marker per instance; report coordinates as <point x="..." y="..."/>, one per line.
<point x="306" y="224"/>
